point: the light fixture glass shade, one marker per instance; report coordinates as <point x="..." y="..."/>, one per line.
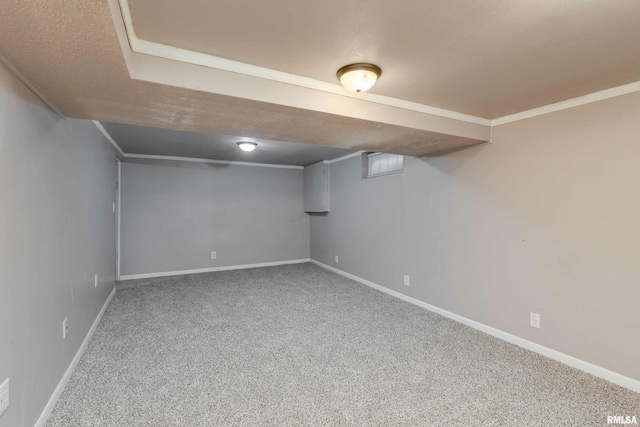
<point x="359" y="77"/>
<point x="247" y="146"/>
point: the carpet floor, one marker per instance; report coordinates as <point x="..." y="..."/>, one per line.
<point x="298" y="345"/>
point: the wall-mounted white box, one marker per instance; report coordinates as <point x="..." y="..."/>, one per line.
<point x="316" y="187"/>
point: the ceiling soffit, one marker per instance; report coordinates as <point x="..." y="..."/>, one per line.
<point x="86" y="70"/>
<point x="166" y="65"/>
<point x="487" y="59"/>
<point x="159" y="50"/>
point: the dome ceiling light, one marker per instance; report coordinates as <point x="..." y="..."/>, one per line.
<point x="359" y="77"/>
<point x="247" y="146"/>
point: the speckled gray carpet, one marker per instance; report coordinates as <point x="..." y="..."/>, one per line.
<point x="297" y="345"/>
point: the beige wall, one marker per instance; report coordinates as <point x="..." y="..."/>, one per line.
<point x="545" y="219"/>
<point x="57" y="229"/>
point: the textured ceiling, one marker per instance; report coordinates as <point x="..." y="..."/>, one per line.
<point x="165" y="142"/>
<point x="487" y="58"/>
<point x="70" y="51"/>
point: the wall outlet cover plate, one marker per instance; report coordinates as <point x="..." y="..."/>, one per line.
<point x="534" y="320"/>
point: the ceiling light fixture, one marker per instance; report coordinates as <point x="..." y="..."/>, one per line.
<point x="247" y="146"/>
<point x="359" y="77"/>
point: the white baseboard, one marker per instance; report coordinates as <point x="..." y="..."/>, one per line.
<point x="592" y="369"/>
<point x="209" y="270"/>
<point x="44" y="416"/>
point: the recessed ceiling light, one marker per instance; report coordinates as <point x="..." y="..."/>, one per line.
<point x="247" y="146"/>
<point x="359" y="77"/>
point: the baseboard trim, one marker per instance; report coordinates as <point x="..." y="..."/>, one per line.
<point x="44" y="416"/>
<point x="574" y="362"/>
<point x="212" y="269"/>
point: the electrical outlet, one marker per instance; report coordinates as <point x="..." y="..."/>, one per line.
<point x="65" y="328"/>
<point x="4" y="396"/>
<point x="336" y="259"/>
<point x="95" y="281"/>
<point x="114" y="207"/>
<point x="213" y="255"/>
<point x="406" y="280"/>
<point x="534" y="320"/>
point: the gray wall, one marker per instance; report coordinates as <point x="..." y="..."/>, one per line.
<point x="57" y="230"/>
<point x="174" y="214"/>
<point x="543" y="220"/>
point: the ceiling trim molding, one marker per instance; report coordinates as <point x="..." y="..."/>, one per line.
<point x="109" y="138"/>
<point x="202" y="59"/>
<point x="199" y="160"/>
<point x="569" y="103"/>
